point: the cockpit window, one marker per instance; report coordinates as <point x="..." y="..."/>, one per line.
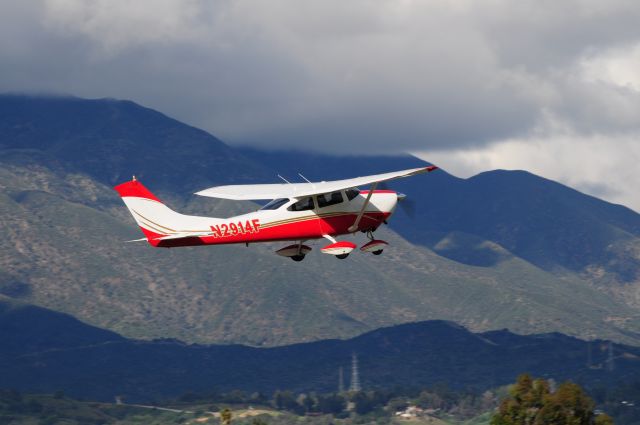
<point x="275" y="204"/>
<point x="304" y="204"/>
<point x="351" y="193"/>
<point x="327" y="199"/>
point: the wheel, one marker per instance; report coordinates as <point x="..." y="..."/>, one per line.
<point x="378" y="252"/>
<point x="297" y="257"/>
<point x="342" y="256"/>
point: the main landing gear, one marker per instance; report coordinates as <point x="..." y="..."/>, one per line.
<point x="374" y="246"/>
<point x="339" y="249"/>
<point x="296" y="252"/>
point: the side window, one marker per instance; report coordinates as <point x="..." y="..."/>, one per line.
<point x="351" y="193"/>
<point x="302" y="205"/>
<point x="327" y="199"/>
<point x="275" y="204"/>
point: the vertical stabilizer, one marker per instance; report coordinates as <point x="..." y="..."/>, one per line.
<point x="155" y="219"/>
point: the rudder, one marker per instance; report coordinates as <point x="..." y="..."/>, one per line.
<point x="151" y="215"/>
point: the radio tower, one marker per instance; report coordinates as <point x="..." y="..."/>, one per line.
<point x="355" y="378"/>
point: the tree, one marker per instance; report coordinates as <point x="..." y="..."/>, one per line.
<point x="531" y="402"/>
<point x="332" y="403"/>
<point x="568" y="405"/>
<point x="307" y="402"/>
<point x="225" y="416"/>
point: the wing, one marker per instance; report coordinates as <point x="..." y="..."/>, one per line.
<point x="251" y="192"/>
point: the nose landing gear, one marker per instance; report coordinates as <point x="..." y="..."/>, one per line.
<point x="374" y="246"/>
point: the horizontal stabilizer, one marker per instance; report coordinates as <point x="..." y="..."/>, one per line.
<point x="137" y="240"/>
<point x="182" y="236"/>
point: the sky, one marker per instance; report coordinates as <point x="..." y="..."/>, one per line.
<point x="552" y="87"/>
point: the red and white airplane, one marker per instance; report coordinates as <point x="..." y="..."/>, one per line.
<point x="298" y="212"/>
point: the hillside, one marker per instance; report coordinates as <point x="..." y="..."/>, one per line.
<point x="65" y="230"/>
<point x="99" y="365"/>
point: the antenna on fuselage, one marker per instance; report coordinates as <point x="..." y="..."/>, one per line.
<point x="305" y="179"/>
<point x="285" y="180"/>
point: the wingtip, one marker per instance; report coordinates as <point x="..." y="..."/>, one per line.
<point x="431" y="168"/>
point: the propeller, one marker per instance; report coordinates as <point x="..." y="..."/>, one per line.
<point x="406" y="204"/>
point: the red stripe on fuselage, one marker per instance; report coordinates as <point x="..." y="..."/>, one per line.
<point x="313" y="228"/>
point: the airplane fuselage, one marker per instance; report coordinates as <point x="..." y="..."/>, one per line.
<point x="284" y="223"/>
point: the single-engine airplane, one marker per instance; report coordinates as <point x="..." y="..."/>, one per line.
<point x="297" y="212"/>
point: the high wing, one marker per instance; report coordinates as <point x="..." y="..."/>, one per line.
<point x="252" y="192"/>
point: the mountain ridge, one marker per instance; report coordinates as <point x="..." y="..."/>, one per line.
<point x="64" y="250"/>
<point x="423" y="353"/>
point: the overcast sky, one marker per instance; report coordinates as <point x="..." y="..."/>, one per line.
<point x="548" y="86"/>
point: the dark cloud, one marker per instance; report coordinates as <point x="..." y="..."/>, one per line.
<point x="334" y="75"/>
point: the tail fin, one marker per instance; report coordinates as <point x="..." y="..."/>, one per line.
<point x="156" y="220"/>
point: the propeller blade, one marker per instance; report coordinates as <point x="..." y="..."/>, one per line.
<point x="408" y="205"/>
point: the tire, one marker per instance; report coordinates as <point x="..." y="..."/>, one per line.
<point x="297" y="258"/>
<point x="378" y="252"/>
<point x="342" y="256"/>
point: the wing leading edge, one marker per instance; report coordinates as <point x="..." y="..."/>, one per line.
<point x="252" y="192"/>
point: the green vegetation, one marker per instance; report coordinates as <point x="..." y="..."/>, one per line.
<point x="528" y="401"/>
<point x="237" y="408"/>
<point x="378" y="405"/>
<point x="28" y="409"/>
<point x="535" y="402"/>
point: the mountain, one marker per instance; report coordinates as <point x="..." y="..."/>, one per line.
<point x="65" y="229"/>
<point x="96" y="364"/>
<point x="109" y="140"/>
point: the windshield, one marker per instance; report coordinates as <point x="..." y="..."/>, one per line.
<point x="275" y="204"/>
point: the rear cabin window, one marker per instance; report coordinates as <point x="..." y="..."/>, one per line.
<point x="351" y="193"/>
<point x="275" y="204"/>
<point x="302" y="205"/>
<point x="327" y="199"/>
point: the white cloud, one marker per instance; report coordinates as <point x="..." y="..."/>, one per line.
<point x="619" y="66"/>
<point x="601" y="166"/>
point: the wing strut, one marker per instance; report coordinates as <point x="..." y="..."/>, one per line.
<point x="354" y="226"/>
